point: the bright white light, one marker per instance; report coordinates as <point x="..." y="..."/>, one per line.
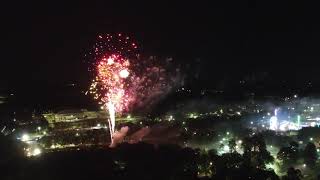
<point x="304" y="165"/>
<point x="313" y="124"/>
<point x="25" y="137"/>
<point x="295" y="96"/>
<point x="98" y="125"/>
<point x="124" y="73"/>
<point x="39" y="128"/>
<point x="284" y="126"/>
<point x="251" y="122"/>
<point x="228" y="133"/>
<point x="226" y="148"/>
<point x="239" y="141"/>
<point x="273" y="123"/>
<point x="36" y="152"/>
<point x="270" y="166"/>
<point x="110" y="61"/>
<point x="311" y="139"/>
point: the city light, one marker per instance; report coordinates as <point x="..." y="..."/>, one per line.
<point x="170" y="118"/>
<point x="226" y="148"/>
<point x="25" y="137"/>
<point x="124" y="73"/>
<point x="36" y="152"/>
<point x="274" y="121"/>
<point x="222" y="90"/>
<point x="33" y="152"/>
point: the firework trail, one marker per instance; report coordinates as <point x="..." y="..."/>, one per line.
<point x="123" y="80"/>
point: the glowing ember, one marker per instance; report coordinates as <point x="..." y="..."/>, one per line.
<point x="124" y="73"/>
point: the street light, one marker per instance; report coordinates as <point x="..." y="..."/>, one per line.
<point x="36" y="152"/>
<point x="25" y="137"/>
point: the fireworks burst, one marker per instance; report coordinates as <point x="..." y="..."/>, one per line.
<point x="123" y="79"/>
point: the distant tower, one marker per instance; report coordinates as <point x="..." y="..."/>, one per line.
<point x="298" y="121"/>
<point x="274" y="121"/>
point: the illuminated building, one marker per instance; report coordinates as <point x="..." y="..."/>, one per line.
<point x="73" y="115"/>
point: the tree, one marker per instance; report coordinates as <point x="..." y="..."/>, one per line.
<point x="287" y="155"/>
<point x="255" y="152"/>
<point x="294" y="145"/>
<point x="226" y="165"/>
<point x="293" y="174"/>
<point x="232" y="145"/>
<point x="11" y="156"/>
<point x="295" y="150"/>
<point x="232" y="160"/>
<point x="310" y="154"/>
<point x="10" y="149"/>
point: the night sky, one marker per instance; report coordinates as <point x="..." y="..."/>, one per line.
<point x="44" y="43"/>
